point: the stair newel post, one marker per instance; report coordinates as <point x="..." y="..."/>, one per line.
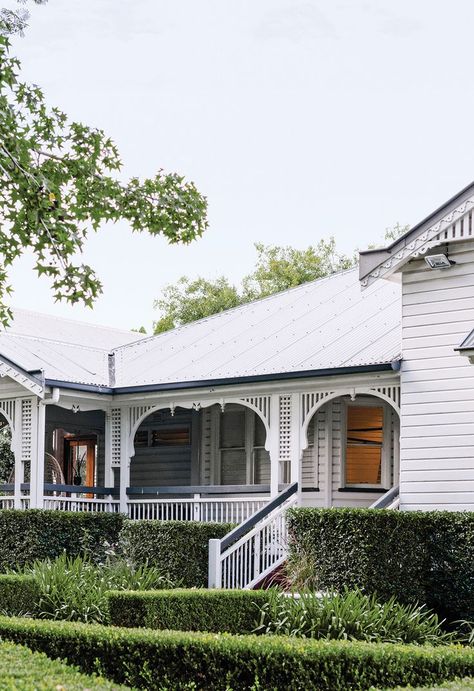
<point x="215" y="564"/>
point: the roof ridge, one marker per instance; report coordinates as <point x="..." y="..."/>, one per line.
<point x="233" y="309"/>
<point x="70" y="321"/>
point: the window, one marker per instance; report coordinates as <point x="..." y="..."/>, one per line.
<point x="243" y="459"/>
<point x="364" y="445"/>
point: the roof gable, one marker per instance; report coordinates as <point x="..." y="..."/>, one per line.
<point x="450" y="222"/>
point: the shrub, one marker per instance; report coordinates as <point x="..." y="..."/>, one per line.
<point x="178" y="660"/>
<point x="425" y="557"/>
<point x="176" y="547"/>
<point x="23" y="670"/>
<point x="234" y="611"/>
<point x="18" y="594"/>
<point x="349" y="615"/>
<point x="26" y="536"/>
<point x="75" y="588"/>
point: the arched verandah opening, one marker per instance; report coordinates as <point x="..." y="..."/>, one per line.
<point x="350" y="450"/>
<point x="211" y="461"/>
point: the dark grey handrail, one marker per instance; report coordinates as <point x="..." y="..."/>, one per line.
<point x="10" y="487"/>
<point x="80" y="489"/>
<point x="201" y="489"/>
<point x="386" y="499"/>
<point x="258" y="516"/>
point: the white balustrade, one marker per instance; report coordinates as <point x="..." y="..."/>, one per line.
<point x="81" y="504"/>
<point x="197" y="508"/>
<point x="7" y="502"/>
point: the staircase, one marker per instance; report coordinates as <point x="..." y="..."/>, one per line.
<point x="255" y="549"/>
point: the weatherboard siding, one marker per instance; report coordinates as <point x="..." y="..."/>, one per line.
<point x="437" y="385"/>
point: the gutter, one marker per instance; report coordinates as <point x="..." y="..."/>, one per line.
<point x="226" y="381"/>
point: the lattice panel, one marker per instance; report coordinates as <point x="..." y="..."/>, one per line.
<point x="115" y="433"/>
<point x="26" y="429"/>
<point x="309" y="400"/>
<point x="392" y="392"/>
<point x="284" y="442"/>
<point x="261" y="403"/>
<point x="8" y="408"/>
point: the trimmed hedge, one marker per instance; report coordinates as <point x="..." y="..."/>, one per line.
<point x="178" y="660"/>
<point x="18" y="594"/>
<point x="38" y="534"/>
<point x="424" y="557"/>
<point x="232" y="611"/>
<point x="178" y="548"/>
<point x="23" y="670"/>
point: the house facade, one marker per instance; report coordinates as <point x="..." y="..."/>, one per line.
<point x="355" y="390"/>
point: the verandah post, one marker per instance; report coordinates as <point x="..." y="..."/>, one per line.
<point x="274" y="444"/>
<point x="125" y="446"/>
<point x="37" y="457"/>
<point x="215" y="565"/>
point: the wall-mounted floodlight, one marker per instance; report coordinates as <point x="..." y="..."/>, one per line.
<point x="439" y="261"/>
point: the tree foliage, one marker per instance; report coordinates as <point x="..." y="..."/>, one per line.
<point x="276" y="269"/>
<point x="280" y="268"/>
<point x="59" y="179"/>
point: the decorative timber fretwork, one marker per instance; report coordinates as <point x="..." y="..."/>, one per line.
<point x="138" y="411"/>
<point x="20" y="377"/>
<point x="261" y="403"/>
<point x="26" y="429"/>
<point x="7" y="407"/>
<point x="456" y="225"/>
<point x="391" y="392"/>
<point x="310" y="400"/>
<point x="115" y="434"/>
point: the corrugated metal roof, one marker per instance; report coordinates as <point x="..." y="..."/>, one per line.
<point x="325" y="324"/>
<point x="64" y="349"/>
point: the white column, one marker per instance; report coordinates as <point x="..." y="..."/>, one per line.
<point x="274" y="444"/>
<point x="124" y="458"/>
<point x="328" y="474"/>
<point x="16" y="448"/>
<point x="37" y="456"/>
<point x="295" y="437"/>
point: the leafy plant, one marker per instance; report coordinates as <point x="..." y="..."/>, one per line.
<point x="350" y="615"/>
<point x="60" y="179"/>
<point x="74" y="588"/>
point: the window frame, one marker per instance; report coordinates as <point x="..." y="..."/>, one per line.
<point x="385" y="482"/>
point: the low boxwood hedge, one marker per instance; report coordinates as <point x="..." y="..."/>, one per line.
<point x="176" y="660"/>
<point x="232" y="611"/>
<point x="424" y="557"/>
<point x="18" y="594"/>
<point x="24" y="670"/>
<point x="177" y="548"/>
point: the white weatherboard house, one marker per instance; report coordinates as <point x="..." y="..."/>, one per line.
<point x="354" y="390"/>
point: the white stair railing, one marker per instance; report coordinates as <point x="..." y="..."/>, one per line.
<point x="389" y="500"/>
<point x="253" y="550"/>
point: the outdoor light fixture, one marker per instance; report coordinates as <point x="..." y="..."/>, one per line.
<point x="439" y="261"/>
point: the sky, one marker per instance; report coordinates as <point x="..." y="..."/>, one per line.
<point x="297" y="119"/>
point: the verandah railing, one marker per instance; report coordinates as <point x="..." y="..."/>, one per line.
<point x="222" y="504"/>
